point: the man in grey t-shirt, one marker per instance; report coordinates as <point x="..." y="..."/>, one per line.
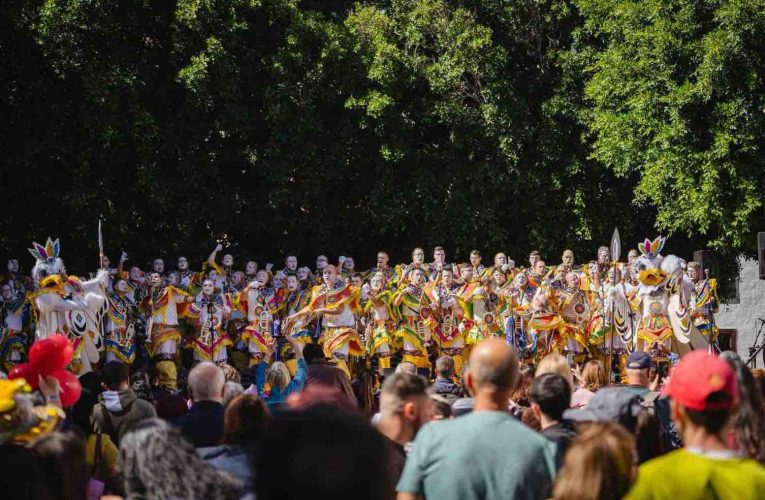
<point x="484" y="455"/>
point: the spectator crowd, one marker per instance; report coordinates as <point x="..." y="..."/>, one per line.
<point x="500" y="429"/>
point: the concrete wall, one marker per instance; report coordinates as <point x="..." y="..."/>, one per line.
<point x="750" y="305"/>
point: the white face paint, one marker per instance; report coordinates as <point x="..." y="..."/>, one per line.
<point x="321" y="262"/>
<point x="439" y="256"/>
<point x="183" y="264"/>
<point x="466" y="273"/>
<point x="208" y="287"/>
<point x="292" y="283"/>
<point x="155" y="279"/>
<point x="135" y="274"/>
<point x="447" y="277"/>
<point x="291" y="263"/>
<point x="348" y="265"/>
<point x="13" y="265"/>
<point x="416" y="277"/>
<point x="500" y="260"/>
<point x="539" y="267"/>
<point x="604" y="255"/>
<point x="121" y="286"/>
<point x="382" y="259"/>
<point x="228" y="260"/>
<point x="302" y="273"/>
<point x="693" y="273"/>
<point x="568" y="258"/>
<point x="251" y="268"/>
<point x="499" y="278"/>
<point x="158" y="266"/>
<point x="520" y="280"/>
<point x="418" y="256"/>
<point x="475" y="260"/>
<point x="262" y="278"/>
<point x="329" y="276"/>
<point x="376" y="282"/>
<point x="173" y="279"/>
<point x="278" y="281"/>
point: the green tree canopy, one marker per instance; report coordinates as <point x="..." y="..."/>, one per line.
<point x="337" y="127"/>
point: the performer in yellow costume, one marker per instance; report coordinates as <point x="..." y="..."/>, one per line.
<point x="703" y="302"/>
<point x="338" y="304"/>
<point x="448" y="316"/>
<point x="414" y="310"/>
<point x="163" y="306"/>
<point x="381" y="320"/>
<point x="209" y="311"/>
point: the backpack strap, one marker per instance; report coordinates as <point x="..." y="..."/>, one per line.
<point x="649" y="399"/>
<point x="108" y="425"/>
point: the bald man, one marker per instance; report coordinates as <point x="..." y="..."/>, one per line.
<point x="486" y="454"/>
<point x="203" y="424"/>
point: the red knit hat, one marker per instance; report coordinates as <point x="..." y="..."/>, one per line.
<point x="697" y="376"/>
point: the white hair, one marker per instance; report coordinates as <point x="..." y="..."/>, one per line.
<point x="206" y="382"/>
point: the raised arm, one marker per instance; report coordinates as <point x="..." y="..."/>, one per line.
<point x="213" y="254"/>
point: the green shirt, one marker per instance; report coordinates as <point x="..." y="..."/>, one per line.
<point x="686" y="475"/>
<point x="483" y="455"/>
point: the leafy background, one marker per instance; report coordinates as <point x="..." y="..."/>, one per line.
<point x="342" y="127"/>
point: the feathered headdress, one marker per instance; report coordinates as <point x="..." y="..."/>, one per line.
<point x="652" y="248"/>
<point x="47" y="253"/>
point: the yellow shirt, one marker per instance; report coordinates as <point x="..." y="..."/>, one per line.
<point x="109" y="454"/>
<point x="686" y="475"/>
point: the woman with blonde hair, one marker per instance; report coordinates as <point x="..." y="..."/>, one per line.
<point x="555" y="363"/>
<point x="273" y="383"/>
<point x="593" y="377"/>
<point x="601" y="464"/>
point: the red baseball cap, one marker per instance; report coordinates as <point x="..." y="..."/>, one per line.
<point x="697" y="376"/>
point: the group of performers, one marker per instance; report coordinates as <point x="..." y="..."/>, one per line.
<point x="411" y="312"/>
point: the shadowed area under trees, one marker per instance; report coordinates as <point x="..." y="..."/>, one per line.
<point x="341" y="127"/>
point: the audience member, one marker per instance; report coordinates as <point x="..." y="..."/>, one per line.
<point x="440" y="408"/>
<point x="367" y="399"/>
<point x="481" y="441"/>
<point x="243" y="423"/>
<point x="748" y="434"/>
<point x="321" y="371"/>
<point x="444" y="384"/>
<point x="157" y="462"/>
<point x="230" y="391"/>
<point x="322" y="452"/>
<point x="555" y="363"/>
<point x="519" y="401"/>
<point x="550" y="397"/>
<point x="274" y="384"/>
<point x="594" y="377"/>
<point x="118" y="408"/>
<point x="704" y="393"/>
<point x="203" y="424"/>
<point x="23" y="475"/>
<point x="600" y="464"/>
<point x="61" y="456"/>
<point x="406" y="367"/>
<point x="404" y="408"/>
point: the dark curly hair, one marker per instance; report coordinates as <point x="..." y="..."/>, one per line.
<point x="157" y="462"/>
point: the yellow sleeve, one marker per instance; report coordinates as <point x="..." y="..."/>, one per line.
<point x="109" y="453"/>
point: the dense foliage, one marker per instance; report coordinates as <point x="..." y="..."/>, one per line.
<point x="339" y="127"/>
